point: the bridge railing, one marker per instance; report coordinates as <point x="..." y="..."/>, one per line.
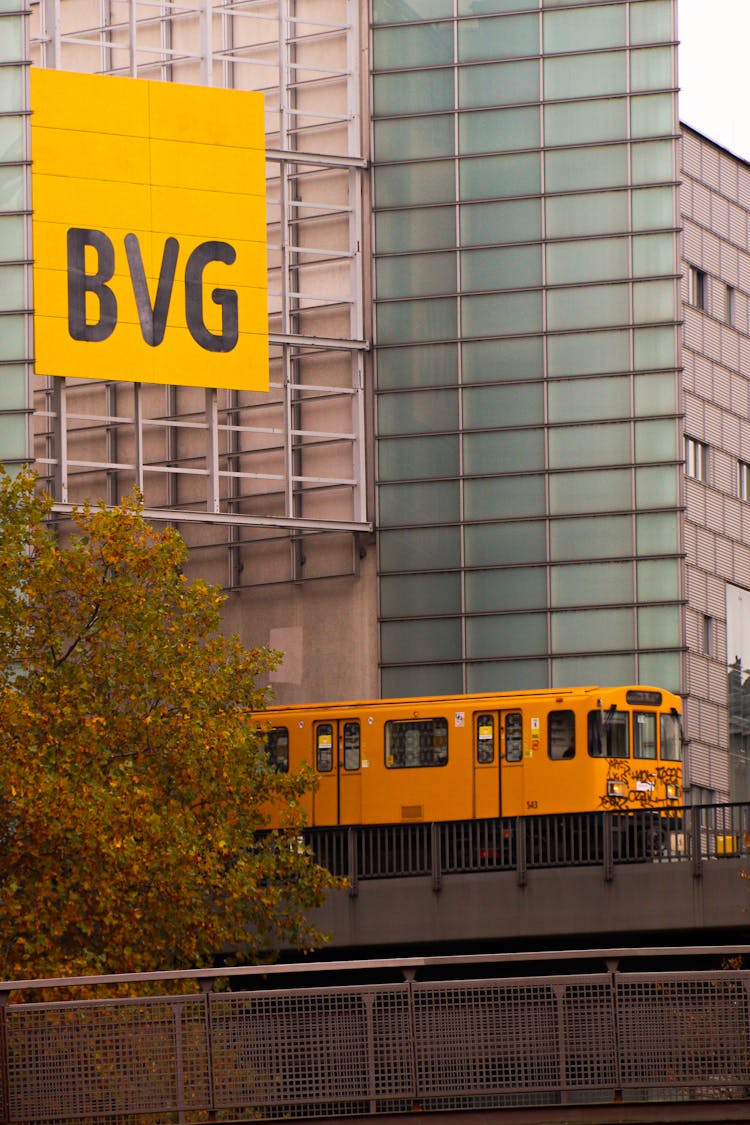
<point x="691" y="834"/>
<point x="495" y="1040"/>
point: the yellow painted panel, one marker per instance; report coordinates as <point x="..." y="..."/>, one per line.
<point x="207" y="115"/>
<point x="207" y="167"/>
<point x="100" y="178"/>
<point x="94" y="103"/>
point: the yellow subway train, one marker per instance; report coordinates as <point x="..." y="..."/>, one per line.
<point x="438" y="758"/>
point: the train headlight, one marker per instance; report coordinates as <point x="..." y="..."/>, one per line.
<point x="673" y="792"/>
<point x="617" y="789"/>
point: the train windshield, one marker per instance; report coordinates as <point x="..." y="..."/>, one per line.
<point x="671" y="738"/>
<point x="608" y="734"/>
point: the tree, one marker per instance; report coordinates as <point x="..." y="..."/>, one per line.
<point x="134" y="791"/>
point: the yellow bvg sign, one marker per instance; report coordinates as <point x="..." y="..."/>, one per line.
<point x="149" y="226"/>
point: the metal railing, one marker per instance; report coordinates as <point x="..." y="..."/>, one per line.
<point x="458" y="1044"/>
<point x="693" y="834"/>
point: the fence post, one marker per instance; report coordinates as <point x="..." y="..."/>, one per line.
<point x="4" y="1069"/>
<point x="521" y="868"/>
<point x="437" y="865"/>
<point x="608" y="846"/>
<point x="352" y="862"/>
<point x="206" y="987"/>
<point x="695" y="840"/>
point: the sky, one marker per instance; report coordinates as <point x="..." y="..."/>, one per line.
<point x="714" y="72"/>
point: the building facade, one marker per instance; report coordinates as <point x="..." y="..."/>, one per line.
<point x="506" y="442"/>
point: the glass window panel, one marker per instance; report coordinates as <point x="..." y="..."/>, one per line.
<point x="659" y="626"/>
<point x="498" y="84"/>
<point x="599" y="491"/>
<point x="13" y="337"/>
<point x="599" y="259"/>
<point x="487" y="177"/>
<point x="652" y="114"/>
<point x="11" y="41"/>
<point x="651" y="68"/>
<point x="603" y="537"/>
<point x="413" y="92"/>
<point x="13" y="389"/>
<point x="12" y="287"/>
<point x="492" y="129"/>
<point x="425" y="228"/>
<point x="651" y="23"/>
<point x="656" y="488"/>
<point x="591" y="584"/>
<point x="588" y="353"/>
<point x="416" y="275"/>
<point x="514" y="220"/>
<point x="426" y="44"/>
<point x="12" y="243"/>
<point x="597" y="213"/>
<point x="493" y="544"/>
<point x="13" y="437"/>
<point x="411" y="595"/>
<point x="12" y="140"/>
<point x="579" y="400"/>
<point x="514" y="634"/>
<point x="429" y="135"/>
<point x="392" y="11"/>
<point x="658" y="580"/>
<point x="433" y="679"/>
<point x="421" y="413"/>
<point x="604" y="670"/>
<point x="502" y="38"/>
<point x="602" y="444"/>
<point x="644" y="734"/>
<point x="426" y="548"/>
<point x="501" y="268"/>
<point x="420" y="640"/>
<point x="504" y="497"/>
<point x="430" y="319"/>
<point x="583" y="30"/>
<point x="652" y="161"/>
<point x="490" y="676"/>
<point x="431" y="182"/>
<point x="656" y="441"/>
<point x="431" y="502"/>
<point x="488" y="590"/>
<point x="655" y="394"/>
<point x="11" y="188"/>
<point x="587" y="306"/>
<point x="505" y="406"/>
<point x="504" y="451"/>
<point x="11" y="86"/>
<point x="653" y="254"/>
<point x="653" y="347"/>
<point x="584" y="76"/>
<point x="573" y="123"/>
<point x="491" y="7"/>
<point x="427" y="366"/>
<point x="592" y="630"/>
<point x="653" y="208"/>
<point x="504" y="314"/>
<point x="662" y="668"/>
<point x="491" y="360"/>
<point x="657" y="534"/>
<point x="571" y="169"/>
<point x="413" y="458"/>
<point x="654" y="300"/>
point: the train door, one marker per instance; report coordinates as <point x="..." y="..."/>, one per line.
<point x="498" y="744"/>
<point x="338" y="765"/>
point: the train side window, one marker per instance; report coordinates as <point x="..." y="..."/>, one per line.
<point x="324" y="747"/>
<point x="485" y="744"/>
<point x="277" y="747"/>
<point x="416" y="743"/>
<point x="351" y="746"/>
<point x="608" y="734"/>
<point x="671" y="738"/>
<point x="561" y="735"/>
<point x="644" y="734"/>
<point x="513" y="736"/>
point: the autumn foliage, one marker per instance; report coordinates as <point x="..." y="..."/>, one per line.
<point x="132" y="786"/>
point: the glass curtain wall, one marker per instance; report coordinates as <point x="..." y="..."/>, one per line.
<point x="527" y="395"/>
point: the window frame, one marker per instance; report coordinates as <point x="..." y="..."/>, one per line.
<point x="696" y="459"/>
<point x="418" y="726"/>
<point x="697" y="288"/>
